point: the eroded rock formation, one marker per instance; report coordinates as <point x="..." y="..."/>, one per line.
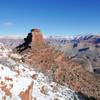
<point x="37" y="36"/>
<point x="27" y="94"/>
<point x="77" y="77"/>
<point x="64" y="70"/>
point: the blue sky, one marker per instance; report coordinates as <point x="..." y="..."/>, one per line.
<point x="53" y="17"/>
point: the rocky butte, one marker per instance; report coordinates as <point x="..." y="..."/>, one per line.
<point x="37" y="36"/>
<point x="63" y="70"/>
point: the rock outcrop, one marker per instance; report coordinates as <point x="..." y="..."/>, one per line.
<point x="77" y="77"/>
<point x="20" y="82"/>
<point x="37" y="36"/>
<point x="41" y="54"/>
<point x="27" y="95"/>
<point x="64" y="70"/>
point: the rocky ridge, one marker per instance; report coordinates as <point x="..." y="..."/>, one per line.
<point x="18" y="81"/>
<point x="64" y="70"/>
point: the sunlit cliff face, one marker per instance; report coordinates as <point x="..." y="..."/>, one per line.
<point x="37" y="36"/>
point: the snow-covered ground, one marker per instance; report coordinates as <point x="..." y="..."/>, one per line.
<point x="18" y="81"/>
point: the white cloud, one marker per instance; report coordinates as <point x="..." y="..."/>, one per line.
<point x="8" y="24"/>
